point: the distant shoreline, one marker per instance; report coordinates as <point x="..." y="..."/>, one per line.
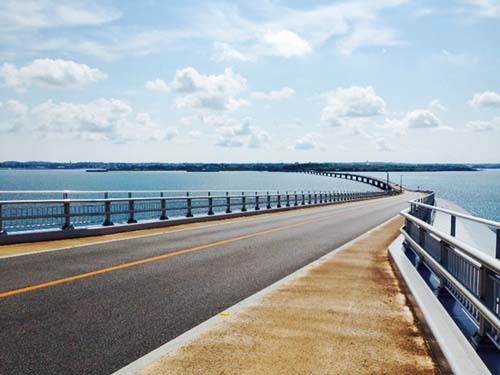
<point x="242" y="167"/>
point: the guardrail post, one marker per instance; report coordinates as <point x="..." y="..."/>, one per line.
<point x="453" y="225"/>
<point x="421" y="242"/>
<point x="497" y="252"/>
<point x="131" y="209"/>
<point x="315" y="198"/>
<point x="279" y="200"/>
<point x="67" y="215"/>
<point x="243" y="202"/>
<point x="257" y="208"/>
<point x="479" y="337"/>
<point x="2" y="231"/>
<point x="287" y="199"/>
<point x="310" y="197"/>
<point x="443" y="260"/>
<point x="107" y="211"/>
<point x="268" y="201"/>
<point x="303" y="198"/>
<point x="228" y="203"/>
<point x="163" y="203"/>
<point x="189" y="206"/>
<point x="295" y="203"/>
<point x="210" y="204"/>
<point x="320" y="197"/>
<point x="330" y="197"/>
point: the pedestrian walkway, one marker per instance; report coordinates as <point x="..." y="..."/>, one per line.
<point x="345" y="315"/>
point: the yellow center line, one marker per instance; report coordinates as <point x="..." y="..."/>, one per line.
<point x="154" y="259"/>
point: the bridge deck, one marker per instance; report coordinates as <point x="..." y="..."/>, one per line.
<point x="346" y="315"/>
<point x="95" y="308"/>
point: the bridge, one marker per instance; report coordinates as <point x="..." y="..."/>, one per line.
<point x="96" y="297"/>
<point x="373" y="181"/>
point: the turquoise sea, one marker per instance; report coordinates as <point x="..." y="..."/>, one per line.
<point x="478" y="192"/>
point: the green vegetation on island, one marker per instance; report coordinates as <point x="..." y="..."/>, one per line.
<point x="270" y="167"/>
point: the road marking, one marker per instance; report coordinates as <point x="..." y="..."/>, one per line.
<point x="156" y="258"/>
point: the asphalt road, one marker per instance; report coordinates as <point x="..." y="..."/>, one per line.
<point x="99" y="323"/>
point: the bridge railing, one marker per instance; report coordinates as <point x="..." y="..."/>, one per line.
<point x="470" y="275"/>
<point x="67" y="214"/>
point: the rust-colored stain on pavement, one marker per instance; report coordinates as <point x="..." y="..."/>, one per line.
<point x="345" y="316"/>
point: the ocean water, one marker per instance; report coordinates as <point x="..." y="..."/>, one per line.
<point x="477" y="192"/>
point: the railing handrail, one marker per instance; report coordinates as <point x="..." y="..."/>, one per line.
<point x="173" y="198"/>
<point x="490" y="223"/>
<point x="484" y="259"/>
<point x="136" y="191"/>
<point x="478" y="304"/>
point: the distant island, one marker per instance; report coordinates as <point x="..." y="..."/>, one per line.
<point x="270" y="167"/>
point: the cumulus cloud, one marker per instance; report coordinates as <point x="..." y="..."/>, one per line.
<point x="307" y="142"/>
<point x="436" y="105"/>
<point x="353" y="102"/>
<point x="242" y="134"/>
<point x="12" y="116"/>
<point x="421" y="119"/>
<point x="197" y="91"/>
<point x="417" y="119"/>
<point x="487" y="99"/>
<point x="275" y="95"/>
<point x="100" y="120"/>
<point x="158" y="85"/>
<point x="50" y="73"/>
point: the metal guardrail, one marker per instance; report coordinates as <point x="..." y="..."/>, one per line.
<point x="66" y="213"/>
<point x="470" y="275"/>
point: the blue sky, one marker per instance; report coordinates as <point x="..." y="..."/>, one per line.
<point x="391" y="80"/>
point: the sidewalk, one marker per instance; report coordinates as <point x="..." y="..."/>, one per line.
<point x="344" y="315"/>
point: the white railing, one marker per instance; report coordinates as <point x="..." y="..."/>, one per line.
<point x="470" y="275"/>
<point x="68" y="213"/>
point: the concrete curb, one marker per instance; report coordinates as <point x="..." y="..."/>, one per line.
<point x="51" y="235"/>
<point x="459" y="354"/>
<point x="195" y="332"/>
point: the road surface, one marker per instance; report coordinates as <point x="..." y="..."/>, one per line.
<point x="97" y="308"/>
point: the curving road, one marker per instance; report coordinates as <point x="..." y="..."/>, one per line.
<point x="96" y="308"/>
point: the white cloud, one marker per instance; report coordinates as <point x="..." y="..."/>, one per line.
<point x="368" y="37"/>
<point x="417" y="119"/>
<point x="351" y="102"/>
<point x="50" y="73"/>
<point x="55" y="13"/>
<point x="422" y="119"/>
<point x="276" y="95"/>
<point x="382" y="145"/>
<point x="242" y="134"/>
<point x="436" y="105"/>
<point x="12" y="116"/>
<point x="487" y="99"/>
<point x="307" y="142"/>
<point x="158" y="85"/>
<point x="296" y="32"/>
<point x="457" y="58"/>
<point x="286" y="43"/>
<point x="100" y="120"/>
<point x="484" y="8"/>
<point x="481" y="126"/>
<point x="224" y="52"/>
<point x="208" y="92"/>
